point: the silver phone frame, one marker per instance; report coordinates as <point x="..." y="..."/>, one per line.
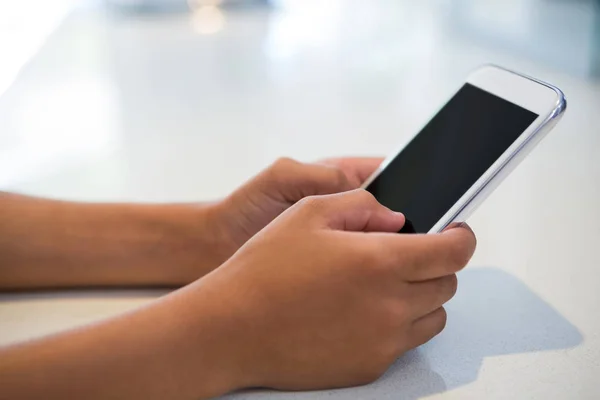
<point x="490" y="180"/>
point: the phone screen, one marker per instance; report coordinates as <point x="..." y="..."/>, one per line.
<point x="449" y="155"/>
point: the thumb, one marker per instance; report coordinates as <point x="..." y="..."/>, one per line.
<point x="357" y="211"/>
<point x="290" y="181"/>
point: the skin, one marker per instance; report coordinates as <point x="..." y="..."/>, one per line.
<point x="46" y="244"/>
<point x="326" y="295"/>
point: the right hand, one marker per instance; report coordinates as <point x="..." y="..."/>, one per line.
<point x="328" y="295"/>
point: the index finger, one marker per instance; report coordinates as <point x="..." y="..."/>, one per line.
<point x="423" y="257"/>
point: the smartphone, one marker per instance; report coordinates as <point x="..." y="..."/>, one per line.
<point x="463" y="153"/>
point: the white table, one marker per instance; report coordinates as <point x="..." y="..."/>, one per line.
<point x="147" y="109"/>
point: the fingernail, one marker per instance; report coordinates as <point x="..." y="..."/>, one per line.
<point x="466" y="226"/>
<point x="454" y="225"/>
<point x="463" y="225"/>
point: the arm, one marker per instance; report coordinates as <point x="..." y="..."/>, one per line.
<point x="310" y="302"/>
<point x="160" y="351"/>
<point x="48" y="243"/>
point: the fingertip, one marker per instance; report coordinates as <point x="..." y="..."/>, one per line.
<point x="394" y="221"/>
<point x="463" y="235"/>
<point x="400" y="217"/>
<point x="458" y="227"/>
<point x="466" y="226"/>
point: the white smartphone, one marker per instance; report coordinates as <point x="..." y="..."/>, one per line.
<point x="461" y="155"/>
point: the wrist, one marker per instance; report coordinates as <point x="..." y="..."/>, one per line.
<point x="221" y="223"/>
<point x="215" y="355"/>
<point x="200" y="244"/>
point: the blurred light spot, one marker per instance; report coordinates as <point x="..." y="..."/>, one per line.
<point x="196" y="4"/>
<point x="207" y="20"/>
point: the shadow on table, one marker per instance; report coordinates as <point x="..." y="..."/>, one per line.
<point x="492" y="314"/>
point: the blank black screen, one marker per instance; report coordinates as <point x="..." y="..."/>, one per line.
<point x="448" y="156"/>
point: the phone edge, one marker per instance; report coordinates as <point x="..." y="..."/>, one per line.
<point x="497" y="177"/>
<point x="518" y="155"/>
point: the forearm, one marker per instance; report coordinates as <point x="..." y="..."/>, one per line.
<point x="177" y="348"/>
<point x="47" y="243"/>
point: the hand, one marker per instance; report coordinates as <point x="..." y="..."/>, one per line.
<point x="254" y="205"/>
<point x="328" y="295"/>
<point x="325" y="296"/>
<point x="166" y="244"/>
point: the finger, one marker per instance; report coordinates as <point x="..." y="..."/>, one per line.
<point x="290" y="181"/>
<point x="424" y="257"/>
<point x="458" y="225"/>
<point x="356" y="210"/>
<point x="428" y="296"/>
<point x="434" y="256"/>
<point x="356" y="169"/>
<point x="426" y="328"/>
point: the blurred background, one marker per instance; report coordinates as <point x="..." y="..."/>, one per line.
<point x="155" y="100"/>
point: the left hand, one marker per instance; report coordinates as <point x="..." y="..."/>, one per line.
<point x="260" y="200"/>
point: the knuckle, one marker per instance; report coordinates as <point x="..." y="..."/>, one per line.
<point x="281" y="166"/>
<point x="311" y="202"/>
<point x="340" y="176"/>
<point x="341" y="179"/>
<point x="333" y="178"/>
<point x="384" y="350"/>
<point x="282" y="162"/>
<point x="364" y="197"/>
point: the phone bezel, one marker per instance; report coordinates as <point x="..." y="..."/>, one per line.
<point x="539" y="97"/>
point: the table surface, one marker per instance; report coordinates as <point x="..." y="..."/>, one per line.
<point x="160" y="108"/>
